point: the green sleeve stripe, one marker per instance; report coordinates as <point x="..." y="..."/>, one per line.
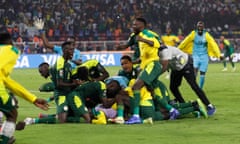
<point x="15" y="50"/>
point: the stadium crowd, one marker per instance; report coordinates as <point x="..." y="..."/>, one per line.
<point x="93" y="20"/>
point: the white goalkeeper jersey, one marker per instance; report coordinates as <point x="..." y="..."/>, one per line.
<point x="177" y="58"/>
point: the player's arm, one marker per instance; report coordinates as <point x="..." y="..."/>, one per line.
<point x="212" y="43"/>
<point x="129" y="43"/>
<point x="148" y="41"/>
<point x="61" y="83"/>
<point x="188" y="39"/>
<point x="176" y="41"/>
<point x="77" y="57"/>
<point x="164" y="58"/>
<point x="108" y="102"/>
<point x="164" y="65"/>
<point x="122" y="47"/>
<point x="151" y="41"/>
<point x="77" y="62"/>
<point x="19" y="90"/>
<point x="45" y="41"/>
<point x="39" y="24"/>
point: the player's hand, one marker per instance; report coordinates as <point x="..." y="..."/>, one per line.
<point x="39" y="23"/>
<point x="41" y="103"/>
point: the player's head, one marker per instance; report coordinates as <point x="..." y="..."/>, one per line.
<point x="168" y="30"/>
<point x="113" y="88"/>
<point x="68" y="50"/>
<point x="82" y="74"/>
<point x="200" y="27"/>
<point x="72" y="40"/>
<point x="5" y="38"/>
<point x="222" y="38"/>
<point x="139" y="24"/>
<point x="43" y="69"/>
<point x="94" y="72"/>
<point x="126" y="63"/>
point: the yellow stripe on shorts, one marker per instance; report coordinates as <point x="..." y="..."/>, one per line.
<point x="77" y="101"/>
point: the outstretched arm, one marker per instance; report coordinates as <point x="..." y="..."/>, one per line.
<point x="45" y="41"/>
<point x="19" y="90"/>
<point x="39" y="24"/>
<point x="41" y="103"/>
<point x="122" y="47"/>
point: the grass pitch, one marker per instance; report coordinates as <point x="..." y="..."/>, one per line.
<point x="222" y="88"/>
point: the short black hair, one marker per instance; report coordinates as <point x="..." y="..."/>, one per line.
<point x="82" y="74"/>
<point x="126" y="57"/>
<point x="200" y="22"/>
<point x="42" y="64"/>
<point x="66" y="43"/>
<point x="111" y="93"/>
<point x="5" y="38"/>
<point x="142" y="20"/>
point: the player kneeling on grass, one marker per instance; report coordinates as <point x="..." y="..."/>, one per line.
<point x="84" y="98"/>
<point x="63" y="84"/>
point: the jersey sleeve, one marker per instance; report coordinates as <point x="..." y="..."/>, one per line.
<point x="213" y="49"/>
<point x="19" y="90"/>
<point x="57" y="49"/>
<point x="76" y="55"/>
<point x="187" y="44"/>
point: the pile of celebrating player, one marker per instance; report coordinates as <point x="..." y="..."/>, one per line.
<point x="84" y="91"/>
